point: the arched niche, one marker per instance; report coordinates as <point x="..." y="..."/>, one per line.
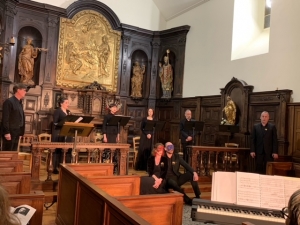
<point x="172" y="62"/>
<point x="140" y="57"/>
<point x="97" y="6"/>
<point x="239" y="91"/>
<point x="37" y="39"/>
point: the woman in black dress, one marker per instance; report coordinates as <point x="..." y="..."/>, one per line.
<point x="145" y="143"/>
<point x="110" y="133"/>
<point x="157" y="168"/>
<point x="58" y="115"/>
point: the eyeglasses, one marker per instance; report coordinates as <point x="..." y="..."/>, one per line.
<point x="284" y="212"/>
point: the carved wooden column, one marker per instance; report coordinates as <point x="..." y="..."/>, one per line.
<point x="36" y="162"/>
<point x="125" y="74"/>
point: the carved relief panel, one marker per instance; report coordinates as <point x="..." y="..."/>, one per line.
<point x="88" y="51"/>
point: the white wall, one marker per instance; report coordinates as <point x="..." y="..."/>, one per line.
<point x="140" y="13"/>
<point x="208" y="66"/>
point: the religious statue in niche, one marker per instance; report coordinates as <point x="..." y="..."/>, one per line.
<point x="166" y="77"/>
<point x="137" y="80"/>
<point x="26" y="62"/>
<point x="230" y="112"/>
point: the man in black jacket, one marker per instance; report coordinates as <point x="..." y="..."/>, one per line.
<point x="264" y="146"/>
<point x="175" y="179"/>
<point x="186" y="136"/>
<point x="13" y="118"/>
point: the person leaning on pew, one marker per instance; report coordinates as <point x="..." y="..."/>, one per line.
<point x="175" y="179"/>
<point x="6" y="217"/>
<point x="157" y="168"/>
<point x="291" y="213"/>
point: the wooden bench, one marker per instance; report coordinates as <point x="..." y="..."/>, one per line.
<point x="125" y="189"/>
<point x="167" y="207"/>
<point x="34" y="199"/>
<point x="8" y="155"/>
<point x="280" y="168"/>
<point x="93" y="169"/>
<point x="118" y="185"/>
<point x="16" y="183"/>
<point x="76" y="192"/>
<point x="11" y="166"/>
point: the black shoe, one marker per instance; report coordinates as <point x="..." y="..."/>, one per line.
<point x="189" y="202"/>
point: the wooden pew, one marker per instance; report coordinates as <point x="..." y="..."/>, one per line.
<point x="93" y="169"/>
<point x="8" y="155"/>
<point x="280" y="168"/>
<point x="16" y="183"/>
<point x="34" y="199"/>
<point x="167" y="207"/>
<point x="76" y="192"/>
<point x="11" y="166"/>
<point x="126" y="190"/>
<point x="118" y="185"/>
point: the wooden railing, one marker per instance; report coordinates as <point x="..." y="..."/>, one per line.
<point x="91" y="148"/>
<point x="207" y="159"/>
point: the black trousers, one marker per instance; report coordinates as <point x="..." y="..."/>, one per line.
<point x="261" y="160"/>
<point x="57" y="157"/>
<point x="11" y="145"/>
<point x="175" y="183"/>
<point x="185" y="150"/>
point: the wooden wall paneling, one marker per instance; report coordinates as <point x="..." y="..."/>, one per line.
<point x="8" y="21"/>
<point x="210" y="114"/>
<point x="275" y="102"/>
<point x="165" y="114"/>
<point x="290" y="127"/>
<point x="30" y="105"/>
<point x="294" y="148"/>
<point x="137" y="113"/>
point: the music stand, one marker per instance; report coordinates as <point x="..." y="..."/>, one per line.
<point x="71" y="129"/>
<point x="232" y="129"/>
<point x="118" y="120"/>
<point x="194" y="126"/>
<point x="73" y="118"/>
<point x="155" y="126"/>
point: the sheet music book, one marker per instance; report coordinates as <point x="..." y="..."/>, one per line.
<point x="249" y="189"/>
<point x="23" y="212"/>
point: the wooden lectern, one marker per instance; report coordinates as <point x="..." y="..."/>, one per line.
<point x="72" y="129"/>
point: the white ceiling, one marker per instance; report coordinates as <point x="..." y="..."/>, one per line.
<point x="172" y="8"/>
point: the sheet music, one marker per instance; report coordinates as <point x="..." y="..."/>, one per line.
<point x="291" y="185"/>
<point x="248" y="191"/>
<point x="227" y="187"/>
<point x="213" y="197"/>
<point x="271" y="192"/>
<point x="78" y="120"/>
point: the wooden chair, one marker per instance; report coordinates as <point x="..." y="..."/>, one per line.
<point x="44" y="137"/>
<point x="134" y="151"/>
<point x="233" y="156"/>
<point x="25" y="141"/>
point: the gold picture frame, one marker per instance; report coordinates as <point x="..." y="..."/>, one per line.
<point x="88" y="51"/>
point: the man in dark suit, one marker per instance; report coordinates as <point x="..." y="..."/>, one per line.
<point x="264" y="146"/>
<point x="13" y="118"/>
<point x="175" y="179"/>
<point x="186" y="136"/>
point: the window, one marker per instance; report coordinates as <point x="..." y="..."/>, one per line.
<point x="267" y="14"/>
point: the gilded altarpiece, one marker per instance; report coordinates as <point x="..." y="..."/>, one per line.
<point x="88" y="51"/>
